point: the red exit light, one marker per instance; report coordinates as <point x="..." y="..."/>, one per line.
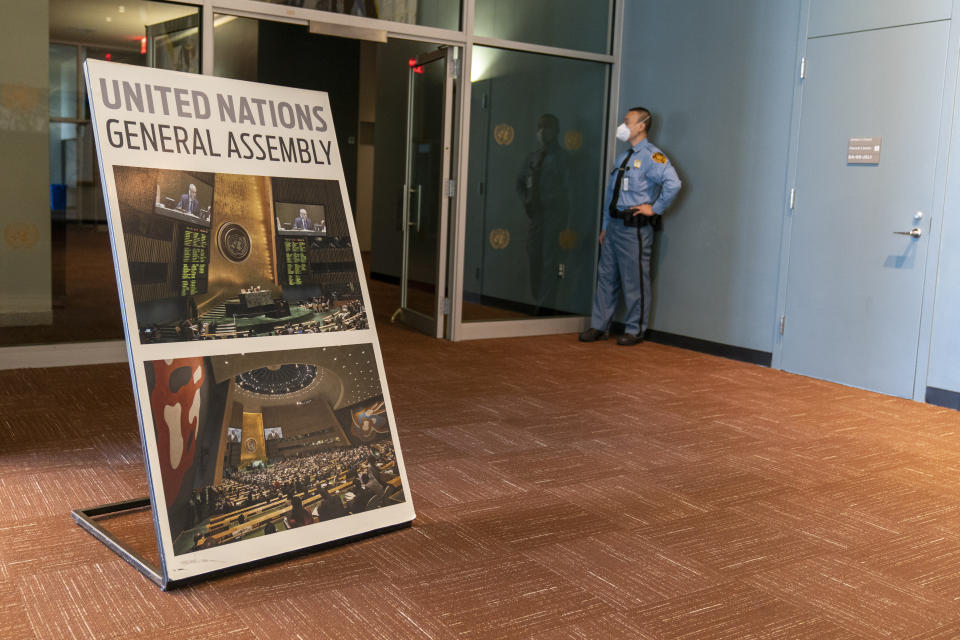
<point x="412" y="63"/>
<point x="143" y="45"/>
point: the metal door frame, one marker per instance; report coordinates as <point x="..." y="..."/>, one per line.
<point x="431" y="326"/>
<point x="458" y="329"/>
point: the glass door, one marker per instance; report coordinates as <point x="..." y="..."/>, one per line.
<point x="427" y="190"/>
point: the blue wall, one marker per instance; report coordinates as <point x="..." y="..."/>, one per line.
<point x="719" y="77"/>
<point x="944" y="365"/>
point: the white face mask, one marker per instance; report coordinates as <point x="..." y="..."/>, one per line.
<point x="623" y="131"/>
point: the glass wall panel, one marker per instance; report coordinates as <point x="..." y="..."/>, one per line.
<point x="63" y="81"/>
<point x="534" y="180"/>
<point x="236" y="47"/>
<point x="62" y="286"/>
<point x="535" y="156"/>
<point x="444" y="14"/>
<point x="73" y="164"/>
<point x="568" y="24"/>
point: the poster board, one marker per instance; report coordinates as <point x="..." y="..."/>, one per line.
<point x="265" y="418"/>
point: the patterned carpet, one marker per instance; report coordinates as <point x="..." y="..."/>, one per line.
<point x="563" y="490"/>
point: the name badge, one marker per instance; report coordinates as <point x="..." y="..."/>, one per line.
<point x="625" y="186"/>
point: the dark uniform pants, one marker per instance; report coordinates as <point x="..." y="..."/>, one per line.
<point x="624" y="265"/>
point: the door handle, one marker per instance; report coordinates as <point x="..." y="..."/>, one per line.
<point x="913" y="233"/>
<point x="419" y="201"/>
<point x="407" y="192"/>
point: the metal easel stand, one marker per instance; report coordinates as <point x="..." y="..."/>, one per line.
<point x="86" y="519"/>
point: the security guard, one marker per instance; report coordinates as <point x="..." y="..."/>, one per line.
<point x="641" y="187"/>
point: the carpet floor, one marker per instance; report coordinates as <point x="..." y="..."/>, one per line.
<point x="563" y="490"/>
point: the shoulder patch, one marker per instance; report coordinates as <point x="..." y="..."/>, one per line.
<point x="659" y="158"/>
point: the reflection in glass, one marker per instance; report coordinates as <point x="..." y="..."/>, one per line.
<point x="430" y="13"/>
<point x="542" y="185"/>
<point x="73" y="164"/>
<point x="236" y="42"/>
<point x="536" y="155"/>
<point x="568" y="24"/>
<point x="175" y="44"/>
<point x="82" y="303"/>
<point x="63" y="81"/>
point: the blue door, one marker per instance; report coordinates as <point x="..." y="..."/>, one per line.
<point x="855" y="276"/>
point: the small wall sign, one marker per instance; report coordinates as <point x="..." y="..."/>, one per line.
<point x="864" y="150"/>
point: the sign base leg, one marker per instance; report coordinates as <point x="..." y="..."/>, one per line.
<point x="86" y="518"/>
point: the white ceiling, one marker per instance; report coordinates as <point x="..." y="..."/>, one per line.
<point x="109" y="23"/>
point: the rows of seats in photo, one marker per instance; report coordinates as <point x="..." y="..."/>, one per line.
<point x="256" y="444"/>
<point x="219" y="256"/>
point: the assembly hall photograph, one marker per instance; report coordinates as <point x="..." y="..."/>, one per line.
<point x="256" y="444"/>
<point x="581" y="320"/>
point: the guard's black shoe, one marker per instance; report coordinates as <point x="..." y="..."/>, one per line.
<point x="628" y="340"/>
<point x="592" y="335"/>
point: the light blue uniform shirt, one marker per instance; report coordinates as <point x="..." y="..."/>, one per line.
<point x="650" y="179"/>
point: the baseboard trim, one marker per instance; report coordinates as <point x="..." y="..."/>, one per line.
<point x="66" y="354"/>
<point x="943" y="398"/>
<point x="741" y="354"/>
<point x="383" y="277"/>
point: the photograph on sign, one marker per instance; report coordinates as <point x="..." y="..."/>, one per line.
<point x="279" y="261"/>
<point x="258" y="444"/>
<point x="265" y="417"/>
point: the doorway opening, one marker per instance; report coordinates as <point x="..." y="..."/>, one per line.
<point x="392" y="105"/>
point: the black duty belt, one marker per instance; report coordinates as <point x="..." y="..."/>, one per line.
<point x="639" y="220"/>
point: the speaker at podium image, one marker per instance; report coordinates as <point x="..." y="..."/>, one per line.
<point x="220" y="256"/>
